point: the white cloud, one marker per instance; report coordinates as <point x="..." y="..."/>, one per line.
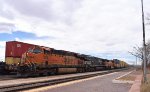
<point x="79" y="25"/>
<point x="2" y="48"/>
<point x="6" y="27"/>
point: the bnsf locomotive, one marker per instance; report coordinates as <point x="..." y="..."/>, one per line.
<point x="39" y="60"/>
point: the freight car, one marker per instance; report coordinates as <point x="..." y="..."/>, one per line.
<point x="2" y="67"/>
<point x="13" y="54"/>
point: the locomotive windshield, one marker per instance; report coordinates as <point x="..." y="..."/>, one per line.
<point x="37" y="50"/>
<point x="30" y="50"/>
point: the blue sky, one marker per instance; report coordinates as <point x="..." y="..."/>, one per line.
<point x="108" y="29"/>
<point x="18" y="35"/>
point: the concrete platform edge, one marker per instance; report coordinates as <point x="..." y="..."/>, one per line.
<point x="137" y="84"/>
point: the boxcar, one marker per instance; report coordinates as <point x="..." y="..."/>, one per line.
<point x="13" y="53"/>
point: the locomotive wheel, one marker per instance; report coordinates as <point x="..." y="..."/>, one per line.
<point x="80" y="70"/>
<point x="41" y="74"/>
<point x="54" y="71"/>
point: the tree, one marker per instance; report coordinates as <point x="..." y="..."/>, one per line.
<point x="138" y="52"/>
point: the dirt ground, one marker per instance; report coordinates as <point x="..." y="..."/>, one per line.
<point x="145" y="87"/>
<point x="131" y="76"/>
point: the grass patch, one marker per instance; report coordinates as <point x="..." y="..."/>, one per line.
<point x="131" y="76"/>
<point x="145" y="87"/>
<point x="127" y="78"/>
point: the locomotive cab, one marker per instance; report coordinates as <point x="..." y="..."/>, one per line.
<point x="31" y="60"/>
<point x="31" y="55"/>
<point x="36" y="50"/>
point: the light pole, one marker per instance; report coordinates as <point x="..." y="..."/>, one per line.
<point x="144" y="45"/>
<point x="136" y="64"/>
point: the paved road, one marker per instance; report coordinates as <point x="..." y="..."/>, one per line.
<point x="98" y="84"/>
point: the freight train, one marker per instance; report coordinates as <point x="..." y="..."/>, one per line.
<point x="28" y="59"/>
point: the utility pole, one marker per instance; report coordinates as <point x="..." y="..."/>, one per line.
<point x="136" y="64"/>
<point x="144" y="45"/>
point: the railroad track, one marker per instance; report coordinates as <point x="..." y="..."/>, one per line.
<point x="8" y="77"/>
<point x="27" y="86"/>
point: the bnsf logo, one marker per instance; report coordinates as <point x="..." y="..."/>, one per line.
<point x="18" y="45"/>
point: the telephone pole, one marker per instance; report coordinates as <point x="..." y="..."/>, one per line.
<point x="136" y="64"/>
<point x="144" y="45"/>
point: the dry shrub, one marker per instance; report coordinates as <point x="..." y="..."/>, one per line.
<point x="145" y="87"/>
